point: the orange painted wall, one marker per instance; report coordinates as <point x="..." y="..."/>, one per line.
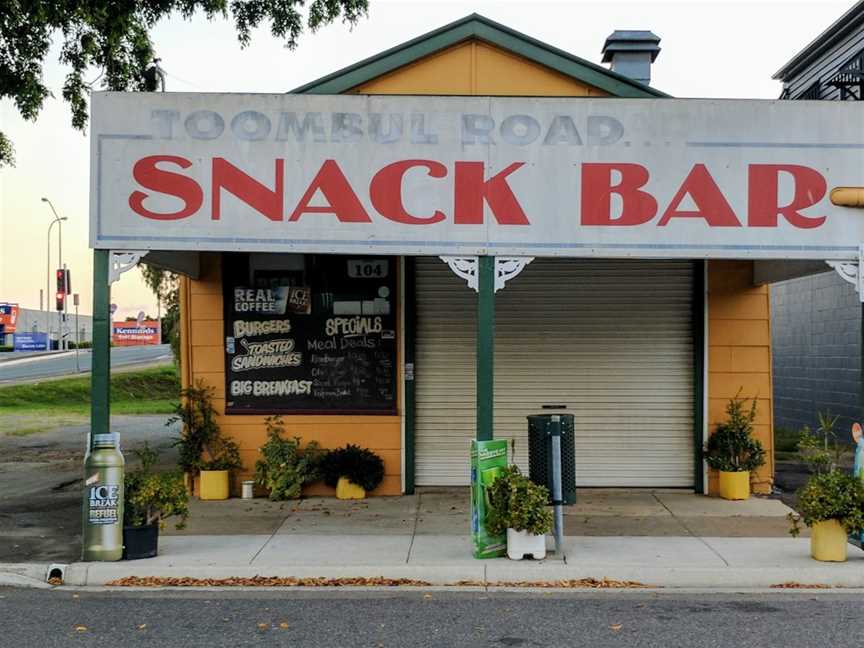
<point x="739" y="355"/>
<point x="477" y="68"/>
<point x="203" y="339"/>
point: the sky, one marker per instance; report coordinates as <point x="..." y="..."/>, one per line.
<point x="711" y="49"/>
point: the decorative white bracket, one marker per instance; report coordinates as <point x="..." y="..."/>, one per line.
<point x="464" y="268"/>
<point x="505" y="269"/>
<point x="850" y="271"/>
<point x="123" y="261"/>
<point x="508" y="267"/>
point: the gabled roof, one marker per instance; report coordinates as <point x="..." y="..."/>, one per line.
<point x="839" y="29"/>
<point x="477" y="27"/>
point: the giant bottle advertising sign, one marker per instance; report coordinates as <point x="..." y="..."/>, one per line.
<point x="570" y="177"/>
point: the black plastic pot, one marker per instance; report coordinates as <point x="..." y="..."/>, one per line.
<point x="140" y="542"/>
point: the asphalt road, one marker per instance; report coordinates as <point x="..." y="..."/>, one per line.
<point x="65" y="617"/>
<point x="35" y="367"/>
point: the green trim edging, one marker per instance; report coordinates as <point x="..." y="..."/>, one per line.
<point x="410" y="327"/>
<point x="100" y="380"/>
<point x="478" y="27"/>
<point x="485" y="347"/>
<point x="699" y="325"/>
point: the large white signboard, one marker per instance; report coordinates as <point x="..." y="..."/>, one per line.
<point x="475" y="175"/>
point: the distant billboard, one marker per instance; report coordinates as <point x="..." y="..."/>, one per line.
<point x="136" y="333"/>
<point x="30" y="342"/>
<point x="8" y="317"/>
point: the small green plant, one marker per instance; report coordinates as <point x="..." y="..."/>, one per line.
<point x="822" y="450"/>
<point x="201" y="445"/>
<point x="732" y="447"/>
<point x="359" y="465"/>
<point x="283" y="468"/>
<point x="833" y="495"/>
<point x="150" y="497"/>
<point x="515" y="502"/>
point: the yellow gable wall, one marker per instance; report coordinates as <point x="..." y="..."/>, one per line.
<point x="476" y="68"/>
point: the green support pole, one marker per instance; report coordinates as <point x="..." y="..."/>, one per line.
<point x="410" y="310"/>
<point x="100" y="386"/>
<point x="485" y="346"/>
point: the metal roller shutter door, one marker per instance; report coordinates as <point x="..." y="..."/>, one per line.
<point x="612" y="340"/>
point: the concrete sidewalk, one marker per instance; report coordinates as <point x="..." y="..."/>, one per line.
<point x="658" y="538"/>
<point x="446" y="560"/>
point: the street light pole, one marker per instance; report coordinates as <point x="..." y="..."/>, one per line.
<point x="59" y="221"/>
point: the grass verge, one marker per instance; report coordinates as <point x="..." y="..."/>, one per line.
<point x="149" y="391"/>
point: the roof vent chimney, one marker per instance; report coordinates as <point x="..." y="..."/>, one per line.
<point x="631" y="53"/>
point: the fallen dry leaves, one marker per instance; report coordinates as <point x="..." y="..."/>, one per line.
<point x="264" y="581"/>
<point x="377" y="581"/>
<point x="794" y="585"/>
<point x="55" y="580"/>
<point x="587" y="583"/>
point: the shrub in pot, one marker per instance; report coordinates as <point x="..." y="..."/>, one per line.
<point x="519" y="506"/>
<point x="203" y="450"/>
<point x="734" y="452"/>
<point x="150" y="498"/>
<point x="832" y="505"/>
<point x="284" y="468"/>
<point x="352" y="471"/>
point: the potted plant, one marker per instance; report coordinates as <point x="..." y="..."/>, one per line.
<point x="283" y="468"/>
<point x="832" y="505"/>
<point x="202" y="448"/>
<point x="149" y="498"/>
<point x="519" y="506"/>
<point x="734" y="452"/>
<point x="353" y="471"/>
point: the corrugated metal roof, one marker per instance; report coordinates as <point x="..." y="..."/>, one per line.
<point x="849" y="21"/>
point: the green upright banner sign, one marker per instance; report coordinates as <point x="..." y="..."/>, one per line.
<point x="488" y="459"/>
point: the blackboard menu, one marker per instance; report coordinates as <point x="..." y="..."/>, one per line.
<point x="310" y="334"/>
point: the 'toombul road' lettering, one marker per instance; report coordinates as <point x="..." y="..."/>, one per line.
<point x="476" y="187"/>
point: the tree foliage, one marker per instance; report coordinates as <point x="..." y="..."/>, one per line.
<point x="107" y="44"/>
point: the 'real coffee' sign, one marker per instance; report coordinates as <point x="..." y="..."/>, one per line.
<point x="326" y="346"/>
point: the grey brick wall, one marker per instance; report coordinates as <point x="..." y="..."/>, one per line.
<point x="816" y="337"/>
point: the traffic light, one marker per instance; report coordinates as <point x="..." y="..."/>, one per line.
<point x="62" y="288"/>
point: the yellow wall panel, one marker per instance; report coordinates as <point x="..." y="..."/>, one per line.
<point x="739" y="355"/>
<point x="744" y="332"/>
<point x="206" y="307"/>
<point x="206" y="333"/>
<point x="477" y="68"/>
<point x="207" y="359"/>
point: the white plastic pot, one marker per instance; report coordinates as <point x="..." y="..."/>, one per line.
<point x="521" y="544"/>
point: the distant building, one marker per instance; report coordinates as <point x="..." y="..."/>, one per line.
<point x="40" y="321"/>
<point x="816" y="320"/>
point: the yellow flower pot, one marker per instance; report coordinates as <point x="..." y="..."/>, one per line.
<point x="348" y="490"/>
<point x="734" y="485"/>
<point x="213" y="485"/>
<point x="828" y="541"/>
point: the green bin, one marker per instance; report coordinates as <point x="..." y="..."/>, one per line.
<point x="540" y="454"/>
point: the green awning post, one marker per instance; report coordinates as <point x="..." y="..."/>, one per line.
<point x="485" y="346"/>
<point x="100" y="375"/>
